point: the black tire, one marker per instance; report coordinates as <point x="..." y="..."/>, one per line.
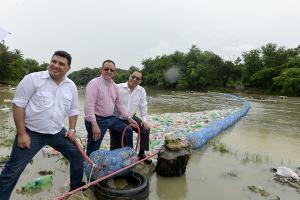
<point x="139" y="191"/>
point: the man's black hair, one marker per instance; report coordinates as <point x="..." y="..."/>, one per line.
<point x="63" y="54"/>
<point x="108" y="61"/>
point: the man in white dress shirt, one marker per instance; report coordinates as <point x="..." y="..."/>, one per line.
<point x="133" y="97"/>
<point x="41" y="102"/>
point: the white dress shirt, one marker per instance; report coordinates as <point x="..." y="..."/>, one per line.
<point x="134" y="101"/>
<point x="46" y="103"/>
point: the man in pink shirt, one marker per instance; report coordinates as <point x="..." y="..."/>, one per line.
<point x="101" y="98"/>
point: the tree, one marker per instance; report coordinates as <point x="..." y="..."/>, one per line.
<point x="272" y="56"/>
<point x="252" y="64"/>
<point x="11" y="66"/>
<point x="31" y="65"/>
<point x="83" y="76"/>
<point x="289" y="81"/>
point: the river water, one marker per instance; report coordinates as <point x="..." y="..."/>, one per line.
<point x="268" y="136"/>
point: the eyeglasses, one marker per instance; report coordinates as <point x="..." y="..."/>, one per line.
<point x="135" y="77"/>
<point x="109" y="69"/>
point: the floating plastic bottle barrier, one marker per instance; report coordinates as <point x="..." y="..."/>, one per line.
<point x="199" y="138"/>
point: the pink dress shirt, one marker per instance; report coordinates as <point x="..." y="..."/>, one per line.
<point x="101" y="98"/>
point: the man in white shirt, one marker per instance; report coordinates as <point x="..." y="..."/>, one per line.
<point x="133" y="97"/>
<point x="41" y="102"/>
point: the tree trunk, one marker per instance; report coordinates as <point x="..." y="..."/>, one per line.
<point x="172" y="162"/>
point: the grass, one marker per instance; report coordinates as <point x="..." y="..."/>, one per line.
<point x="221" y="147"/>
<point x="246" y="157"/>
<point x="255" y="158"/>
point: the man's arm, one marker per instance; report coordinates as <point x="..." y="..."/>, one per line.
<point x="71" y="133"/>
<point x="91" y="94"/>
<point x="24" y="92"/>
<point x="23" y="139"/>
<point x="143" y="106"/>
<point x="123" y="112"/>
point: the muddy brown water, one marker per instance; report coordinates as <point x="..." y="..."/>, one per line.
<point x="269" y="136"/>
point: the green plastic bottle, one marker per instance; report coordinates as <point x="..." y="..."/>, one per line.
<point x="37" y="183"/>
<point x="28" y="186"/>
<point x="43" y="180"/>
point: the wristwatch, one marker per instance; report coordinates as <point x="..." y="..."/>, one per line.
<point x="73" y="130"/>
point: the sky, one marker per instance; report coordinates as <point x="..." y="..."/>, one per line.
<point x="129" y="31"/>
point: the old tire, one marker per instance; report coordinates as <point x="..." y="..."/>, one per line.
<point x="139" y="189"/>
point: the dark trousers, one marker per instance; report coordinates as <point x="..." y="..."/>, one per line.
<point x="19" y="158"/>
<point x="115" y="125"/>
<point x="144" y="138"/>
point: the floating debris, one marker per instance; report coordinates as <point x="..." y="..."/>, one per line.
<point x="7" y="100"/>
<point x="263" y="192"/>
<point x="5" y="108"/>
<point x="37" y="184"/>
<point x="285" y="175"/>
<point x="287" y="172"/>
<point x="231" y="174"/>
<point x="49" y="151"/>
<point x="45" y="172"/>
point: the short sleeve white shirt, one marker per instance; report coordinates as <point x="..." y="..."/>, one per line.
<point x="46" y="104"/>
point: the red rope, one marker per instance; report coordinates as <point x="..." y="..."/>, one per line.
<point x="92" y="163"/>
<point x="101" y="179"/>
<point x="137" y="140"/>
<point x="82" y="152"/>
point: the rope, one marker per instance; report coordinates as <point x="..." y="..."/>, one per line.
<point x="84" y="154"/>
<point x="137" y="140"/>
<point x="95" y="166"/>
<point x="65" y="195"/>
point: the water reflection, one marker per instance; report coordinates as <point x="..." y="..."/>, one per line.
<point x="178" y="186"/>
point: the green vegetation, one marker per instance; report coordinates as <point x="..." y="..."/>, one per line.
<point x="13" y="67"/>
<point x="270" y="69"/>
<point x="247" y="157"/>
<point x="232" y="174"/>
<point x="83" y="76"/>
<point x="254" y="158"/>
<point x="219" y="146"/>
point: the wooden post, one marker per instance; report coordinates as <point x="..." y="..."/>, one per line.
<point x="173" y="157"/>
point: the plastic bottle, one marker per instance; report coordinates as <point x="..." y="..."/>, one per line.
<point x="28" y="186"/>
<point x="37" y="183"/>
<point x="43" y="180"/>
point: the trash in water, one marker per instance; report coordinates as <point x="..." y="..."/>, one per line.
<point x="45" y="172"/>
<point x="38" y="183"/>
<point x="285" y="175"/>
<point x="5" y="108"/>
<point x="287" y="172"/>
<point x="263" y="192"/>
<point x="49" y="151"/>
